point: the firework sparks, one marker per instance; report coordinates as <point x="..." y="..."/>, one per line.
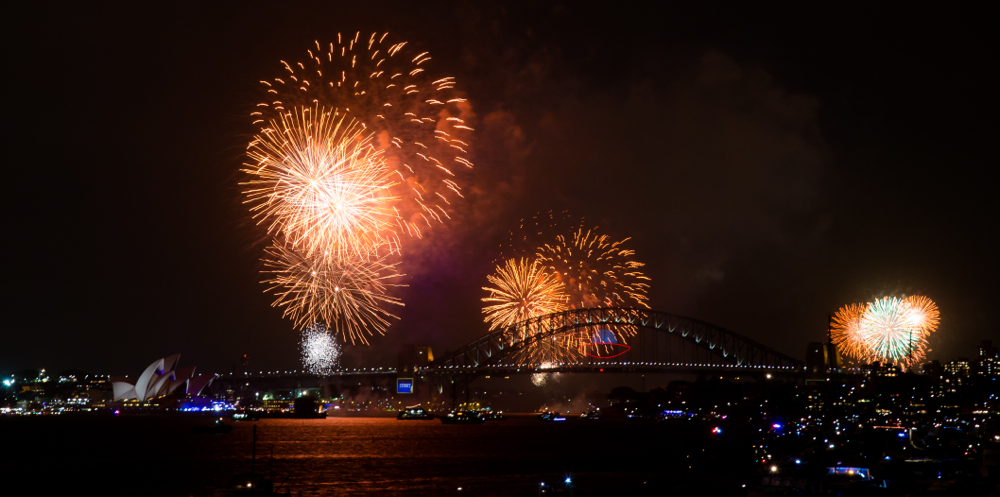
<point x="891" y="333"/>
<point x="320" y="351"/>
<point x="419" y="120"/>
<point x="923" y="313"/>
<point x="596" y="270"/>
<point x="522" y="290"/>
<point x="357" y="146"/>
<point x="348" y="296"/>
<point x="890" y="329"/>
<point x="540" y="379"/>
<point x="846" y="331"/>
<point x="321" y="184"/>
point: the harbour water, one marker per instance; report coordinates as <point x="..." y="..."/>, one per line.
<point x="160" y="455"/>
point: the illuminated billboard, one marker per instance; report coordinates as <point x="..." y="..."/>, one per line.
<point x="404" y="385"/>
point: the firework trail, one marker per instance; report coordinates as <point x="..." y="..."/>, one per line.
<point x="345" y="294"/>
<point x="416" y="119"/>
<point x="320" y="351"/>
<point x="846" y="331"/>
<point x="357" y="145"/>
<point x="521" y="290"/>
<point x="596" y="270"/>
<point x="593" y="271"/>
<point x="321" y="185"/>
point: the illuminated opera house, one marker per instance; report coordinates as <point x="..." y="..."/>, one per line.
<point x="160" y="379"/>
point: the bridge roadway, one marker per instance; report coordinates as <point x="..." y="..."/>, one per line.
<point x="385" y="376"/>
<point x="610" y="340"/>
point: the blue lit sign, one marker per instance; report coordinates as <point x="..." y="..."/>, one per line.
<point x="404" y="385"/>
<point x="603" y="336"/>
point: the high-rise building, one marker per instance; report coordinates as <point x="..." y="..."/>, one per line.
<point x="988" y="360"/>
<point x="959" y="367"/>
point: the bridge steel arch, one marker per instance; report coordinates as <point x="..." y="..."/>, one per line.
<point x="703" y="346"/>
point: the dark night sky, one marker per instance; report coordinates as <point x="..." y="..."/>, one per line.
<point x="770" y="165"/>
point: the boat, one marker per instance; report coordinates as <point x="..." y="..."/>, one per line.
<point x="463" y="418"/>
<point x="216" y="428"/>
<point x="491" y="415"/>
<point x="245" y="416"/>
<point x="414" y="412"/>
<point x="551" y="416"/>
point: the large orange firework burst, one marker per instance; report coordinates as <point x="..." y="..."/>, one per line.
<point x="321" y="185"/>
<point x="594" y="271"/>
<point x="417" y="119"/>
<point x="357" y="145"/>
<point x="348" y="294"/>
<point x="889" y="329"/>
<point x="597" y="271"/>
<point x="922" y="312"/>
<point x="521" y="290"/>
<point x="846" y="331"/>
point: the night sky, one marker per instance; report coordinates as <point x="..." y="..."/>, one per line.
<point x="769" y="164"/>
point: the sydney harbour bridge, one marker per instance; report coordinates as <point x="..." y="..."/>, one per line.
<point x="615" y="340"/>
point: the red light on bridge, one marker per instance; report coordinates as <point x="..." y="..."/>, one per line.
<point x="609" y="350"/>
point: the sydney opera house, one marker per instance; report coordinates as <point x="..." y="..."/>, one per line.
<point x="160" y="379"/>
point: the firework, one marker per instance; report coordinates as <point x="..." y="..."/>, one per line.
<point x="595" y="270"/>
<point x="320" y="351"/>
<point x="321" y="185"/>
<point x="417" y="119"/>
<point x="891" y="333"/>
<point x="540" y="379"/>
<point x="347" y="295"/>
<point x="846" y="331"/>
<point x="522" y="290"/>
<point x="890" y="329"/>
<point x="923" y="313"/>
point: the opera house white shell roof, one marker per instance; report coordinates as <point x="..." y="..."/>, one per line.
<point x="159" y="379"/>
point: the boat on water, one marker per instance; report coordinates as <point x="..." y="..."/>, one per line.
<point x="414" y="412"/>
<point x="463" y="418"/>
<point x="492" y="415"/>
<point x="551" y="416"/>
<point x="216" y="428"/>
